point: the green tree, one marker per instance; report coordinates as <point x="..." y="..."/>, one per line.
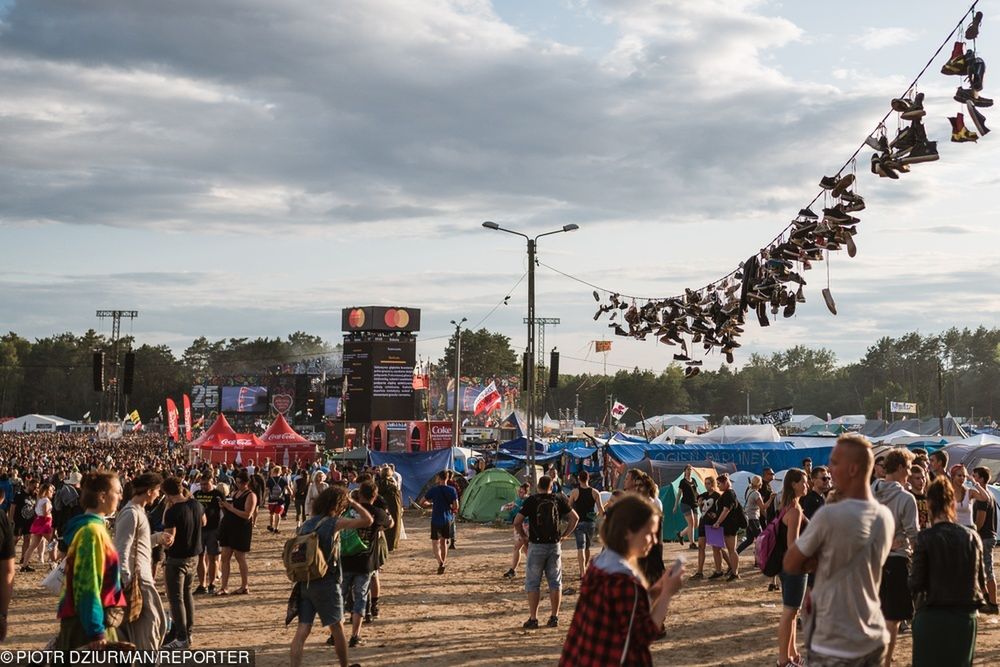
<point x="484" y="354"/>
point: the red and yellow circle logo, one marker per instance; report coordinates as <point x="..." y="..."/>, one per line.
<point x="356" y="318"/>
<point x="396" y="318"/>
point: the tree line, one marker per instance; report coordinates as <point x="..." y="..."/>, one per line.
<point x="958" y="370"/>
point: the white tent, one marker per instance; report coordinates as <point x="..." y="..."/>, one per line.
<point x="741" y="482"/>
<point x="671" y="435"/>
<point x="35" y="423"/>
<point x="850" y="420"/>
<point x="737" y="433"/>
<point x="663" y="421"/>
<point x="902" y="433"/>
<point x="803" y="421"/>
<point x="978" y="440"/>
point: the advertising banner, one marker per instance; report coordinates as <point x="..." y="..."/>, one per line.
<point x="172" y="429"/>
<point x="187" y="417"/>
<point x="902" y="408"/>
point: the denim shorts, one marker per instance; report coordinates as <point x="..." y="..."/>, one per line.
<point x="584" y="534"/>
<point x="545" y="558"/>
<point x="685" y="508"/>
<point x="988" y="547"/>
<point x="356" y="583"/>
<point x="793" y="590"/>
<point x="321" y="597"/>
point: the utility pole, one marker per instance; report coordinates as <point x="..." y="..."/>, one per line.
<point x="540" y="364"/>
<point x="114" y="401"/>
<point x="940" y="408"/>
<point x="456" y="439"/>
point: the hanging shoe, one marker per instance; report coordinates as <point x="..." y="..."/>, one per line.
<point x="973" y="30"/>
<point x="978" y="119"/>
<point x="828" y="298"/>
<point x="916" y="109"/>
<point x="842" y="185"/>
<point x="904" y="141"/>
<point x="852" y="202"/>
<point x="925" y="152"/>
<point x="800" y="296"/>
<point x="977" y="72"/>
<point x="878" y="167"/>
<point x="956" y="65"/>
<point x="959" y="133"/>
<point x="873" y="142"/>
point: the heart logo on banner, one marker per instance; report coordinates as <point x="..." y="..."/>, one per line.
<point x="282" y="403"/>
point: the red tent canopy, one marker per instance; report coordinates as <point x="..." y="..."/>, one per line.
<point x="280" y="433"/>
<point x="219" y="429"/>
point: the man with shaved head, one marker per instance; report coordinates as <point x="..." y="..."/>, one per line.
<point x="846" y="544"/>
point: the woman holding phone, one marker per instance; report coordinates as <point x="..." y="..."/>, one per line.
<point x="966" y="491"/>
<point x="619" y="612"/>
<point x="236" y="531"/>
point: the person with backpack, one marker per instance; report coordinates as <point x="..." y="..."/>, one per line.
<point x="754" y="508"/>
<point x="790" y="523"/>
<point x="543" y="511"/>
<point x="22" y="514"/>
<point x="359" y="569"/>
<point x="277" y="498"/>
<point x="984" y="514"/>
<point x="66" y="502"/>
<point x="321" y="595"/>
<point x="300" y="484"/>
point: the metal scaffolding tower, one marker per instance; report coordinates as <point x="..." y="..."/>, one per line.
<point x="113" y="395"/>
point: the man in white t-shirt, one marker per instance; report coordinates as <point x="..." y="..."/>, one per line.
<point x="846" y="543"/>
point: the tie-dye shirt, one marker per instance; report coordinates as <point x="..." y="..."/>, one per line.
<point x="93" y="581"/>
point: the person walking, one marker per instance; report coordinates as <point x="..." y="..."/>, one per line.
<point x="317" y="485"/>
<point x="183" y="521"/>
<point x="92" y="603"/>
<point x="686" y="500"/>
<point x="894" y="593"/>
<point x="753" y="506"/>
<point x="236" y="532"/>
<point x="358" y="568"/>
<point x="322" y="597"/>
<point x="985" y="517"/>
<point x="819" y="486"/>
<point x="543" y="512"/>
<point x="277" y="497"/>
<point x="946" y="579"/>
<point x="41" y="529"/>
<point x="709" y="513"/>
<point x="728" y="520"/>
<point x="211" y="499"/>
<point x="134" y="544"/>
<point x="8" y="552"/>
<point x="846" y="544"/>
<point x="619" y="612"/>
<point x="793" y="585"/>
<point x="586" y="502"/>
<point x="443" y="500"/>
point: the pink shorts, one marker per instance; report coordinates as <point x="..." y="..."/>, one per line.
<point x="277" y="508"/>
<point x="42" y="525"/>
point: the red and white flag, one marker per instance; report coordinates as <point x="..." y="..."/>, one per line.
<point x="187" y="417"/>
<point x="619" y="410"/>
<point x="489" y="399"/>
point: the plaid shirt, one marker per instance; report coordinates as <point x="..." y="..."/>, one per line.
<point x="600" y="624"/>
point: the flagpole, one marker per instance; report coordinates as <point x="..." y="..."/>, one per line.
<point x="455" y="437"/>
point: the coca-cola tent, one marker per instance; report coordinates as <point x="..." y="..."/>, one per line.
<point x="221" y="444"/>
<point x="283" y="445"/>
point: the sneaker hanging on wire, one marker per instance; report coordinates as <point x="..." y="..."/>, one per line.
<point x="978" y="119"/>
<point x="973" y="30"/>
<point x="956" y="65"/>
<point x="960" y="133"/>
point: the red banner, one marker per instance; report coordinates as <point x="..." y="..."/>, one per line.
<point x="187" y="417"/>
<point x="172" y="429"/>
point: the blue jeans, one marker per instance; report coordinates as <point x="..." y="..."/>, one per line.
<point x="321" y="597"/>
<point x="543" y="558"/>
<point x="357" y="583"/>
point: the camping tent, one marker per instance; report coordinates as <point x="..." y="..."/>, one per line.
<point x="416" y="468"/>
<point x="901" y="433"/>
<point x="738" y="433"/>
<point x="803" y="421"/>
<point x="673" y="522"/>
<point x="487" y="493"/>
<point x="751" y="456"/>
<point x="672" y="434"/>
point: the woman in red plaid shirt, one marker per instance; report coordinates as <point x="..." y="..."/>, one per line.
<point x="618" y="614"/>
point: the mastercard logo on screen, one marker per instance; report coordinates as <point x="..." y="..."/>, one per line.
<point x="356" y="318"/>
<point x="396" y="318"/>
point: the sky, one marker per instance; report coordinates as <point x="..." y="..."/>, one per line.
<point x="243" y="168"/>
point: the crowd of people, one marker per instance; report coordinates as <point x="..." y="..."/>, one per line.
<point x="866" y="548"/>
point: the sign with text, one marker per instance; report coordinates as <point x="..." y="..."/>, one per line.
<point x="380" y="379"/>
<point x="903" y="408"/>
<point x="778" y="416"/>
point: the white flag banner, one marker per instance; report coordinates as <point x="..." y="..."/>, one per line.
<point x="903" y="408"/>
<point x="619" y="410"/>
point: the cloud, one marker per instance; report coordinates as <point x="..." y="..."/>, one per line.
<point x="875" y="39"/>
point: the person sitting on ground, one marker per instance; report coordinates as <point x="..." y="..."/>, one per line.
<point x="619" y="613"/>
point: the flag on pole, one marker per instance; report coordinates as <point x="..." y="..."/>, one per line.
<point x="187" y="417"/>
<point x="489" y="399"/>
<point x="619" y="410"/>
<point x="136" y="420"/>
<point x="172" y="428"/>
<point x="86" y="415"/>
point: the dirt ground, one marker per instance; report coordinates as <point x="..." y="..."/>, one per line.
<point x="469" y="616"/>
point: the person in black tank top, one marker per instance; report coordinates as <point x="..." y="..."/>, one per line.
<point x="586" y="502"/>
<point x="235" y="532"/>
<point x="686" y="500"/>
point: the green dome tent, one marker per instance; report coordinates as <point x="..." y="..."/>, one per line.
<point x="673" y="522"/>
<point x="487" y="493"/>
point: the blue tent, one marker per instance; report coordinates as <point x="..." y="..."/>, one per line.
<point x="540" y="457"/>
<point x="417" y="468"/>
<point x="521" y="445"/>
<point x="634" y="453"/>
<point x="749" y="456"/>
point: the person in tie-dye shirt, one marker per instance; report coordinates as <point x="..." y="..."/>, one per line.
<point x="93" y="581"/>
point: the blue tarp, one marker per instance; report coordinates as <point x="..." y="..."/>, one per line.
<point x="636" y="453"/>
<point x="521" y="445"/>
<point x="750" y="456"/>
<point x="621" y="438"/>
<point x="539" y="456"/>
<point x="581" y="452"/>
<point x="416" y="468"/>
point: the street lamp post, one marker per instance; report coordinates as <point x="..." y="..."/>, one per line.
<point x="532" y="242"/>
<point x="455" y="439"/>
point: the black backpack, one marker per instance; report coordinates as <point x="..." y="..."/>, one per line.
<point x="545" y="523"/>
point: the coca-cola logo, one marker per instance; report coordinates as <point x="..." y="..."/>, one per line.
<point x="282" y="403"/>
<point x="237" y="442"/>
<point x="282" y="436"/>
<point x="440" y="430"/>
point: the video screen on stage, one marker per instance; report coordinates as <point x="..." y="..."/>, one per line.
<point x="380" y="379"/>
<point x="244" y="399"/>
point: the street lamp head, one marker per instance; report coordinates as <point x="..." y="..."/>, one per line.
<point x="491" y="225"/>
<point x="571" y="227"/>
